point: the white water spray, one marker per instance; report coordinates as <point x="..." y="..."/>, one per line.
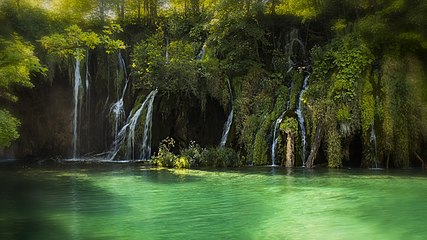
<point x="201" y="54"/>
<point x="127" y="133"/>
<point x="117" y="109"/>
<point x="227" y="124"/>
<point x="275" y="139"/>
<point x="146" y="141"/>
<point x="301" y="120"/>
<point x="76" y="92"/>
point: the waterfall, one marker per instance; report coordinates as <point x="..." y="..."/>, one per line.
<point x="167" y="50"/>
<point x="276" y="126"/>
<point x="291" y="39"/>
<point x="87" y="81"/>
<point x="373" y="137"/>
<point x="146" y="141"/>
<point x="275" y="139"/>
<point x="201" y="54"/>
<point x="301" y="119"/>
<point x="227" y="127"/>
<point x="373" y="140"/>
<point x="288" y="103"/>
<point x="117" y="109"/>
<point x="127" y="133"/>
<point x="227" y="124"/>
<point x="77" y="86"/>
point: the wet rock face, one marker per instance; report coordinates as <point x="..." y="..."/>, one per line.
<point x="46" y="122"/>
<point x="183" y="120"/>
<point x="45" y="115"/>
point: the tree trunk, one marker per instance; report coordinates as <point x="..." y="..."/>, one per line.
<point x="423" y="165"/>
<point x="273" y="7"/>
<point x="315" y="147"/>
<point x="290" y="154"/>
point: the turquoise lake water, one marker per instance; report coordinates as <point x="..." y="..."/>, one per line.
<point x="113" y="201"/>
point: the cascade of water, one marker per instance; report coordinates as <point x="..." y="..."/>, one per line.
<point x="301" y="119"/>
<point x="201" y="54"/>
<point x="227" y="124"/>
<point x="288" y="103"/>
<point x="146" y="141"/>
<point x="373" y="140"/>
<point x="275" y="139"/>
<point x="291" y="39"/>
<point x="76" y="92"/>
<point x="167" y="50"/>
<point x="227" y="127"/>
<point x="117" y="109"/>
<point x="127" y="133"/>
<point x="87" y="81"/>
<point x="276" y="126"/>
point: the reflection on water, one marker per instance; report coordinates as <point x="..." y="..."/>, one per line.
<point x="132" y="202"/>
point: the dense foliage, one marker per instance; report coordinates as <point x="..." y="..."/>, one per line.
<point x="364" y="61"/>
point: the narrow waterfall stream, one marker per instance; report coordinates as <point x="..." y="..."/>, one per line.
<point x="146" y="140"/>
<point x="301" y="120"/>
<point x="276" y="127"/>
<point x="127" y="133"/>
<point x="227" y="124"/>
<point x="201" y="54"/>
<point x="117" y="109"/>
<point x="373" y="141"/>
<point x="77" y="97"/>
<point x="275" y="139"/>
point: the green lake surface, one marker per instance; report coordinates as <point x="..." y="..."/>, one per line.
<point x="114" y="201"/>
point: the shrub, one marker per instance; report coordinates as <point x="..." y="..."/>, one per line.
<point x="220" y="157"/>
<point x="194" y="154"/>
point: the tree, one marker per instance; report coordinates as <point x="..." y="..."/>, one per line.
<point x="17" y="62"/>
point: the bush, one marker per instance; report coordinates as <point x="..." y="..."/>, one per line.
<point x="220" y="157"/>
<point x="181" y="162"/>
<point x="193" y="153"/>
<point x="165" y="158"/>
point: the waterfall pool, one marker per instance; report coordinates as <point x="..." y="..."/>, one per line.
<point x="122" y="201"/>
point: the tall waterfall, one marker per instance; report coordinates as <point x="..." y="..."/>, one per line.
<point x="146" y="141"/>
<point x="87" y="83"/>
<point x="167" y="50"/>
<point x="77" y="97"/>
<point x="291" y="39"/>
<point x="117" y="109"/>
<point x="127" y="133"/>
<point x="373" y="137"/>
<point x="275" y="139"/>
<point x="226" y="130"/>
<point x="373" y="140"/>
<point x="276" y="126"/>
<point x="201" y="54"/>
<point x="301" y="119"/>
<point x="227" y="124"/>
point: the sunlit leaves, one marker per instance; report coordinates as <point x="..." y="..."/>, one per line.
<point x="17" y="61"/>
<point x="109" y="38"/>
<point x="70" y="43"/>
<point x="75" y="40"/>
<point x="8" y="128"/>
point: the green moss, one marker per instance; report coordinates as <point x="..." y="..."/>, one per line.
<point x="260" y="153"/>
<point x="220" y="157"/>
<point x="333" y="149"/>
